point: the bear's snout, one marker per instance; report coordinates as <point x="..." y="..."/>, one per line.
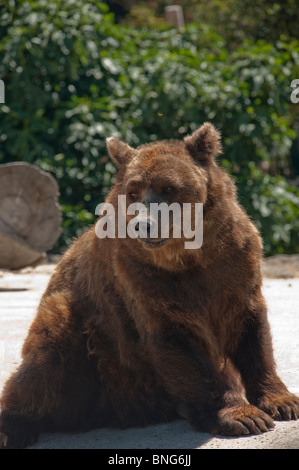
<point x="145" y="226"/>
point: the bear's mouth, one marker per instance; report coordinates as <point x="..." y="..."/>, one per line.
<point x="150" y="243"/>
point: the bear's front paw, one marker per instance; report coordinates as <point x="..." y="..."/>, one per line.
<point x="16" y="433"/>
<point x="242" y="419"/>
<point x="282" y="407"/>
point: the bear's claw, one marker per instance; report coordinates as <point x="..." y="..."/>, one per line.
<point x="243" y="419"/>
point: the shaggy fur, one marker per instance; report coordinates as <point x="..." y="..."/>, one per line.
<point x="129" y="334"/>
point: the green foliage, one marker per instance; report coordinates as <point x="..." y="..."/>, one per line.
<point x="273" y="205"/>
<point x="59" y="78"/>
<point x="234" y="20"/>
<point x="238" y="20"/>
<point x="74" y="78"/>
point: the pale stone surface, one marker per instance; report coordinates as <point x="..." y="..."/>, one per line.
<point x="19" y="296"/>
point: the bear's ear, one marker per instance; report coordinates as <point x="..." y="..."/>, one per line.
<point x="204" y="144"/>
<point x="120" y="152"/>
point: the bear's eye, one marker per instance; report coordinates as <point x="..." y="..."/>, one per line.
<point x="133" y="195"/>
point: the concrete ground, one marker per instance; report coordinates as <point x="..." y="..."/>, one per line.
<point x="19" y="296"/>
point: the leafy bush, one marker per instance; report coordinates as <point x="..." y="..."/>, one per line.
<point x="234" y="20"/>
<point x="273" y="205"/>
<point x="73" y="78"/>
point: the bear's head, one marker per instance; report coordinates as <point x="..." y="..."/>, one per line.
<point x="170" y="174"/>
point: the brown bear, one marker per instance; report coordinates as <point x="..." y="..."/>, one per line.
<point x="133" y="331"/>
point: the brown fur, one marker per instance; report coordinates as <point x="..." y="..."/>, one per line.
<point x="128" y="335"/>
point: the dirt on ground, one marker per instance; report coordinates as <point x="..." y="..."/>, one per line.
<point x="281" y="267"/>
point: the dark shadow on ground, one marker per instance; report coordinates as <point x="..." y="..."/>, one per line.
<point x="176" y="435"/>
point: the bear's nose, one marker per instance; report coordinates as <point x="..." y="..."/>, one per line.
<point x="144" y="227"/>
